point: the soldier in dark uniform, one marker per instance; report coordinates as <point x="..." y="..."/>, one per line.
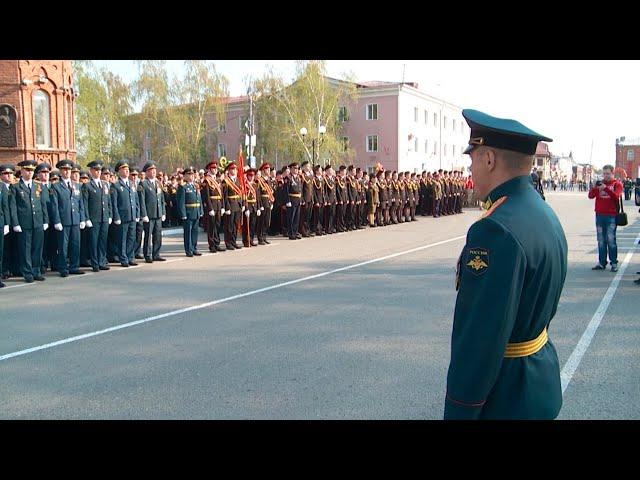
<point x="50" y="244"/>
<point x="211" y="193"/>
<point x="134" y="178"/>
<point x="352" y="194"/>
<point x="252" y="210"/>
<point x="70" y="219"/>
<point x="306" y="204"/>
<point x="265" y="191"/>
<point x="362" y="186"/>
<point x="29" y="220"/>
<point x="413" y="196"/>
<point x="293" y="189"/>
<point x="437" y="194"/>
<point x="153" y="212"/>
<point x="97" y="206"/>
<point x="503" y="365"/>
<point x="319" y="200"/>
<point x="378" y="219"/>
<point x="126" y="213"/>
<point x="330" y="201"/>
<point x="342" y="198"/>
<point x="10" y="255"/>
<point x="5" y="218"/>
<point x="233" y="206"/>
<point x="113" y="236"/>
<point x="279" y="209"/>
<point x="385" y="193"/>
<point x="189" y="210"/>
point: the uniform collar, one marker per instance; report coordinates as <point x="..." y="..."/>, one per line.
<point x="509" y="187"/>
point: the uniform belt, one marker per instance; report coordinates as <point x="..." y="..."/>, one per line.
<point x="524" y="349"/>
<point x="215" y="198"/>
<point x="233" y="196"/>
<point x="265" y="196"/>
<point x="192" y="205"/>
<point x="295" y="194"/>
<point x="251" y="201"/>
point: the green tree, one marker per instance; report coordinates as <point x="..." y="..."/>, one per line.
<point x="311" y="101"/>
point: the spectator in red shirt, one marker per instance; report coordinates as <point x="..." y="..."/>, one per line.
<point x="607" y="194"/>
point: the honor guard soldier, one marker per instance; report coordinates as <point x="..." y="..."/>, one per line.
<point x="319" y="200"/>
<point x="306" y="205"/>
<point x="69" y="218"/>
<point x="233" y="206"/>
<point x="252" y="210"/>
<point x="503" y="365"/>
<point x="342" y="199"/>
<point x="153" y="212"/>
<point x="10" y="260"/>
<point x="97" y="207"/>
<point x="293" y="189"/>
<point x="330" y="200"/>
<point x="189" y="210"/>
<point x="50" y="244"/>
<point x="382" y="199"/>
<point x="126" y="213"/>
<point x="211" y="193"/>
<point x="267" y="199"/>
<point x="352" y="194"/>
<point x="134" y="178"/>
<point x="84" y="234"/>
<point x="5" y="217"/>
<point x="29" y="220"/>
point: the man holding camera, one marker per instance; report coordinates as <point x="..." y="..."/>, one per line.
<point x="607" y="193"/>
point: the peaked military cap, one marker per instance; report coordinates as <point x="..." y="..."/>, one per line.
<point x="54" y="174"/>
<point x="108" y="170"/>
<point x="28" y="164"/>
<point x="294" y="164"/>
<point x="251" y="171"/>
<point x="84" y="174"/>
<point x="230" y="166"/>
<point x="134" y="171"/>
<point x="120" y="164"/>
<point x="43" y="166"/>
<point x="76" y="167"/>
<point x="95" y="164"/>
<point x="6" y="168"/>
<point x="64" y="163"/>
<point x="264" y="165"/>
<point x="148" y="165"/>
<point x="211" y="164"/>
<point x="189" y="169"/>
<point x="500" y="133"/>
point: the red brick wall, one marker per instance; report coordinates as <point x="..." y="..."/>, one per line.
<point x="58" y="85"/>
<point x="631" y="167"/>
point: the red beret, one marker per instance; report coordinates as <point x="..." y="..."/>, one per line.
<point x="211" y="164"/>
<point x="230" y="166"/>
<point x="264" y="165"/>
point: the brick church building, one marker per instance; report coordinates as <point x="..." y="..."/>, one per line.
<point x="37" y="99"/>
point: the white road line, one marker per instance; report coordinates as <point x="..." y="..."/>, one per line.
<point x="20" y="285"/>
<point x="578" y="352"/>
<point x="222" y="300"/>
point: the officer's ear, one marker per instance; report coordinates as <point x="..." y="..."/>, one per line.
<point x="488" y="159"/>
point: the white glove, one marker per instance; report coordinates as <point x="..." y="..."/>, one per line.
<point x="164" y="217"/>
<point x="243" y="208"/>
<point x="137" y="219"/>
<point x="288" y="204"/>
<point x="58" y="227"/>
<point x="247" y="213"/>
<point x="212" y="213"/>
<point x="118" y="222"/>
<point x="17" y="229"/>
<point x="6" y="229"/>
<point x="259" y="213"/>
<point x="261" y="208"/>
<point x="222" y="211"/>
<point x="110" y="220"/>
<point x="45" y="226"/>
<point x="227" y="212"/>
<point x="82" y="225"/>
<point x="145" y="219"/>
<point x="89" y="224"/>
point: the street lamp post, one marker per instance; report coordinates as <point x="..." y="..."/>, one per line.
<point x="321" y="130"/>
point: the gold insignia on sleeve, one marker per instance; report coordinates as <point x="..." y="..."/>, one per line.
<point x="477" y="261"/>
<point x="477" y="264"/>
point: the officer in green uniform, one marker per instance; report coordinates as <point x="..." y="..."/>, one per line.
<point x="189" y="210"/>
<point x="509" y="281"/>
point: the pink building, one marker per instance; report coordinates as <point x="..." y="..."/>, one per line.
<point x="393" y="123"/>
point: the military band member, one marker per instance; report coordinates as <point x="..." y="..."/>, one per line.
<point x="293" y="188"/>
<point x="437" y="195"/>
<point x="29" y="220"/>
<point x="352" y="193"/>
<point x="189" y="210"/>
<point x="373" y="200"/>
<point x="382" y="199"/>
<point x="97" y="206"/>
<point x="361" y="204"/>
<point x="252" y="210"/>
<point x="414" y="198"/>
<point x="50" y="244"/>
<point x="153" y="212"/>
<point x="319" y="201"/>
<point x="342" y="199"/>
<point x="266" y="192"/>
<point x="212" y="202"/>
<point x="330" y="200"/>
<point x="233" y="206"/>
<point x="125" y="207"/>
<point x="306" y="204"/>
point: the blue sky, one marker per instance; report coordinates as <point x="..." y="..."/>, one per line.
<point x="574" y="102"/>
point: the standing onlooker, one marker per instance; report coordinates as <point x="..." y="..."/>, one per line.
<point x="607" y="193"/>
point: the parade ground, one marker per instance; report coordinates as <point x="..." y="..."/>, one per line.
<point x="348" y="326"/>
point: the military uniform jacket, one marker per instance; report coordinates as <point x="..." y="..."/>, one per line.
<point x="52" y="208"/>
<point x="362" y="190"/>
<point x="264" y="186"/>
<point x="383" y="193"/>
<point x="352" y="189"/>
<point x="211" y="193"/>
<point x="329" y="190"/>
<point x="509" y="283"/>
<point x="342" y="195"/>
<point x="437" y="189"/>
<point x="188" y="201"/>
<point x="232" y="195"/>
<point x="253" y="198"/>
<point x="151" y="197"/>
<point x="307" y="187"/>
<point x="318" y="191"/>
<point x="395" y="190"/>
<point x="27" y="208"/>
<point x="5" y="216"/>
<point x="293" y="188"/>
<point x="97" y="201"/>
<point x="124" y="201"/>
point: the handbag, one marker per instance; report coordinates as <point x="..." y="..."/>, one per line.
<point x="621" y="217"/>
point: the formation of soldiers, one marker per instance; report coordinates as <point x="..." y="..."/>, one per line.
<point x="66" y="218"/>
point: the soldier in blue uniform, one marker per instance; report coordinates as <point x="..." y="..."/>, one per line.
<point x="126" y="213"/>
<point x="5" y="218"/>
<point x="69" y="219"/>
<point x="509" y="281"/>
<point x="29" y="219"/>
<point x="154" y="212"/>
<point x="97" y="205"/>
<point x="50" y="244"/>
<point x="189" y="210"/>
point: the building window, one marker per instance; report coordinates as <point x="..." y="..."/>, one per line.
<point x="445" y="122"/>
<point x="372" y="143"/>
<point x="435" y="148"/>
<point x="426" y="147"/>
<point x="222" y="128"/>
<point x="372" y="111"/>
<point x="42" y="119"/>
<point x="426" y="117"/>
<point x="343" y="116"/>
<point x="630" y="155"/>
<point x="435" y="119"/>
<point x="540" y="162"/>
<point x="222" y="150"/>
<point x="415" y="114"/>
<point x="416" y="144"/>
<point x="242" y="123"/>
<point x="345" y="144"/>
